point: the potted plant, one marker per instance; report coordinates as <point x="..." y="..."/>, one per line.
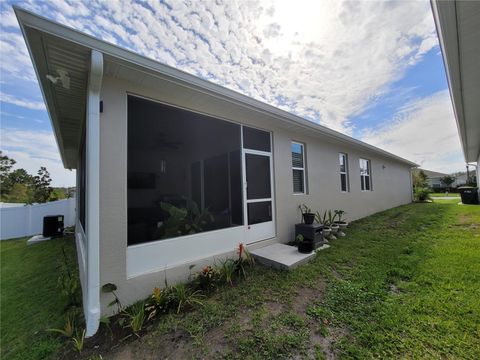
<point x="326" y="226"/>
<point x="305" y="246"/>
<point x="342" y="224"/>
<point x="308" y="216"/>
<point x="333" y="226"/>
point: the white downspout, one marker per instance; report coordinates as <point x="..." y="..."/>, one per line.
<point x="92" y="306"/>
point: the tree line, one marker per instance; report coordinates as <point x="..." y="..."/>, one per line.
<point x="18" y="186"/>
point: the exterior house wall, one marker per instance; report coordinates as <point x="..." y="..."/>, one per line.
<point x="390" y="178"/>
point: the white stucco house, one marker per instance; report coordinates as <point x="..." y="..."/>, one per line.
<point x="154" y="146"/>
<point x="434" y="178"/>
<point x="458" y="28"/>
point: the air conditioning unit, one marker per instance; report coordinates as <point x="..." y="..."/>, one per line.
<point x="53" y="225"/>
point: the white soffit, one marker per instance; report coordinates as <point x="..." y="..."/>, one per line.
<point x="66" y="106"/>
<point x="458" y="27"/>
<point x="75" y="50"/>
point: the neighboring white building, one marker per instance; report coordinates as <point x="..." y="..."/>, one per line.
<point x="433" y="179"/>
<point x="151" y="143"/>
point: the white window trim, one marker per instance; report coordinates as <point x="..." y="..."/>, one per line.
<point x="347" y="181"/>
<point x="300" y="168"/>
<point x="369" y="175"/>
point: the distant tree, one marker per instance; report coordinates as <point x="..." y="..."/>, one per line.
<point x="20" y="193"/>
<point x="58" y="194"/>
<point x="41" y="186"/>
<point x="419" y="178"/>
<point x="472" y="180"/>
<point x="20" y="176"/>
<point x="6" y="165"/>
<point x="19" y="186"/>
<point x="447" y="180"/>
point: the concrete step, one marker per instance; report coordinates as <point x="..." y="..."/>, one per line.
<point x="281" y="256"/>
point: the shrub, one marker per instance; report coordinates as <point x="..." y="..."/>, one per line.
<point x="422" y="193"/>
<point x="227" y="270"/>
<point x="160" y="301"/>
<point x="135" y="316"/>
<point x="69" y="328"/>
<point x="110" y="288"/>
<point x="206" y="278"/>
<point x="244" y="259"/>
<point x="78" y="341"/>
<point x="183" y="297"/>
<point x="68" y="281"/>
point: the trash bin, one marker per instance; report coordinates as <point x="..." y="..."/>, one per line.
<point x="469" y="194"/>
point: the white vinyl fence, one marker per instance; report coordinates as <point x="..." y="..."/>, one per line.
<point x="27" y="220"/>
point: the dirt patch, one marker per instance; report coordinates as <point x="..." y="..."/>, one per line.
<point x="306" y="296"/>
<point x="464" y="219"/>
<point x="215" y="342"/>
<point x="173" y="346"/>
<point x="466" y="222"/>
<point x="327" y="343"/>
<point x="274" y="308"/>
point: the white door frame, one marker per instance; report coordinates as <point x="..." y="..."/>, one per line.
<point x="265" y="230"/>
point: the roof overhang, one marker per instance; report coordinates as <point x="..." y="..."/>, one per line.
<point x="458" y="28"/>
<point x="53" y="46"/>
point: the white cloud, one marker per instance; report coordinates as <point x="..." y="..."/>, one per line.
<point x="29" y="104"/>
<point x="32" y="149"/>
<point x="8" y="19"/>
<point x="15" y="61"/>
<point x="423" y="131"/>
<point x="325" y="60"/>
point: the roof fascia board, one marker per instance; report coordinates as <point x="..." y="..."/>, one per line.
<point x="131" y="59"/>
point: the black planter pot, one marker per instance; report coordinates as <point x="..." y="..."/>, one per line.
<point x="305" y="246"/>
<point x="309" y="218"/>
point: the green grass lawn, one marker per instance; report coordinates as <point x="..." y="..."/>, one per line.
<point x="445" y="195"/>
<point x="403" y="283"/>
<point x="30" y="299"/>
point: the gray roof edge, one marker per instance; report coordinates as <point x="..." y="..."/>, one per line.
<point x="29" y="19"/>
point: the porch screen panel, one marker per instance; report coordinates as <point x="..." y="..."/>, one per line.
<point x="184" y="172"/>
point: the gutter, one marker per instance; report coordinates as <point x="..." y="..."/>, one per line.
<point x="92" y="305"/>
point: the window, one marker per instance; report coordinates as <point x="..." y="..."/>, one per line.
<point x="184" y="172"/>
<point x="298" y="168"/>
<point x="365" y="175"/>
<point x="343" y="161"/>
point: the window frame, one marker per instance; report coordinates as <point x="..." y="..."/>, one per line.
<point x="347" y="180"/>
<point x="362" y="176"/>
<point x="303" y="169"/>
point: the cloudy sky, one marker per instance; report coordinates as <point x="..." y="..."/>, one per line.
<point x="372" y="70"/>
